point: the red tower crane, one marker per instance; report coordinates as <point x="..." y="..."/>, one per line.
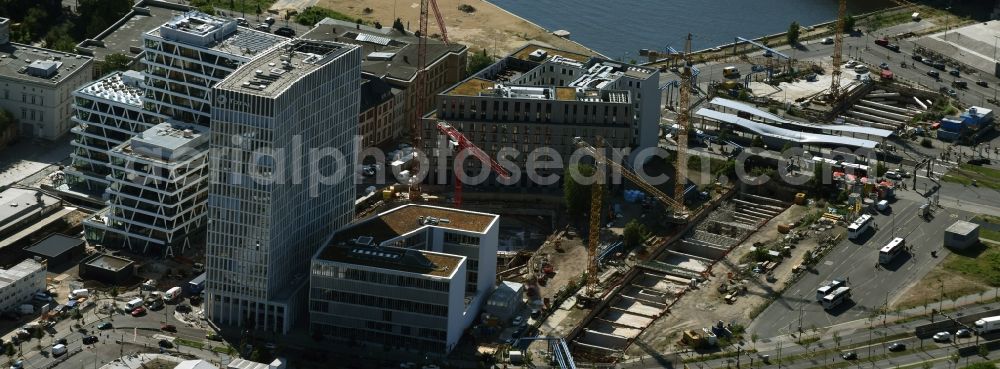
<point x="419" y="89"/>
<point x="463" y="144"/>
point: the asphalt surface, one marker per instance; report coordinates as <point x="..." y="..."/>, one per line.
<point x="856" y="261"/>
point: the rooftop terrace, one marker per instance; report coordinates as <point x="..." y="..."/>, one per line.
<point x="408" y="218"/>
<point x="124" y="87"/>
<point x="406" y="260"/>
<point x="272" y="73"/>
<point x="215" y="33"/>
<point x="538" y="53"/>
<point x="166" y="142"/>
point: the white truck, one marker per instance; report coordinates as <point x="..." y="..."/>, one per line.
<point x="172" y="294"/>
<point x="987" y="324"/>
<point x="58" y="349"/>
<point x="75" y="294"/>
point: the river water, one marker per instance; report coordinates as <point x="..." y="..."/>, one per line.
<point x="619" y="28"/>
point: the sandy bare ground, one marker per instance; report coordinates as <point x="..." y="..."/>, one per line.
<point x="489" y="27"/>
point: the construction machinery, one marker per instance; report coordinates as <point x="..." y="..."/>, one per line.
<point x="675" y="209"/>
<point x="464" y="145"/>
<point x="420" y="80"/>
<point x="838" y="48"/>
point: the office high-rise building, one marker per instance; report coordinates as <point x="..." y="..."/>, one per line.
<point x="269" y="212"/>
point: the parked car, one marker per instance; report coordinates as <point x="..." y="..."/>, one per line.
<point x="263" y="27"/>
<point x="165" y="344"/>
<point x="960" y="84"/>
<point x="861" y="69"/>
<point x="979" y="161"/>
<point x="104" y="326"/>
<point x="942" y="337"/>
<point x="952" y="93"/>
<point x="955" y="72"/>
<point x="17" y="365"/>
<point x="139" y="311"/>
<point x="849" y="355"/>
<point x="242" y="22"/>
<point x="61" y="340"/>
<point x="934" y="74"/>
<point x="892" y="47"/>
<point x="917" y="58"/>
<point x="893" y="175"/>
<point x="982" y="83"/>
<point x="883" y="66"/>
<point x="58" y="349"/>
<point x="168" y="328"/>
<point x="285" y="31"/>
<point x="89" y="340"/>
<point x="963" y="333"/>
<point x="897" y="347"/>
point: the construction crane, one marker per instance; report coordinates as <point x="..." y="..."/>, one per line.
<point x="838" y="48"/>
<point x="461" y="143"/>
<point x="683" y="119"/>
<point x="420" y="81"/>
<point x="677" y="213"/>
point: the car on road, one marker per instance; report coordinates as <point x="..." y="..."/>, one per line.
<point x="849" y="355"/>
<point x="139" y="311"/>
<point x="89" y="340"/>
<point x="893" y="175"/>
<point x="768" y="53"/>
<point x="263" y="27"/>
<point x="917" y="58"/>
<point x="828" y="41"/>
<point x="883" y="66"/>
<point x="104" y="326"/>
<point x="963" y="333"/>
<point x="955" y="72"/>
<point x="942" y="337"/>
<point x="17" y="365"/>
<point x="897" y="347"/>
<point x="892" y="47"/>
<point x="882" y="42"/>
<point x="168" y="328"/>
<point x="952" y="93"/>
<point x="934" y="74"/>
<point x="982" y="83"/>
<point x="285" y="31"/>
<point x="938" y="65"/>
<point x="979" y="161"/>
<point x="242" y="22"/>
<point x="165" y="344"/>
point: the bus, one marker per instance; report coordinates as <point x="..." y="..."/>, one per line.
<point x="890" y="250"/>
<point x="825" y="289"/>
<point x="860" y="226"/>
<point x="836" y="297"/>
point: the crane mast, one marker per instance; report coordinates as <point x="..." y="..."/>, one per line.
<point x="838" y="48"/>
<point x="683" y="119"/>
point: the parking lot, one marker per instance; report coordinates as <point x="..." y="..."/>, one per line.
<point x="873" y="286"/>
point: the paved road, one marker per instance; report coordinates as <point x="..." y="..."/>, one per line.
<point x="871" y="286"/>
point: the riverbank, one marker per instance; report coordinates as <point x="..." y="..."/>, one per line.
<point x="488" y="27"/>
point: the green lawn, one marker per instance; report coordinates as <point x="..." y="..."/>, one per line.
<point x="189" y="343"/>
<point x="984" y="177"/>
<point x="979" y="262"/>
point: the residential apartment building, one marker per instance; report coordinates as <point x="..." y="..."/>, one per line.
<point x="189" y="54"/>
<point x="158" y="191"/>
<point x="414" y="277"/>
<point x="108" y="112"/>
<point x="541" y="98"/>
<point x="391" y="56"/>
<point x="269" y="214"/>
<point x="37" y="85"/>
<point x="19" y="284"/>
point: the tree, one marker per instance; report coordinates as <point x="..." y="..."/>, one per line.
<point x="59" y="38"/>
<point x="880" y="170"/>
<point x="576" y="195"/>
<point x="97" y="15"/>
<point x="793" y="33"/>
<point x="398" y="25"/>
<point x="849" y="23"/>
<point x="479" y="61"/>
<point x="113" y="62"/>
<point x="984" y="351"/>
<point x="634" y="233"/>
<point x="753" y="338"/>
